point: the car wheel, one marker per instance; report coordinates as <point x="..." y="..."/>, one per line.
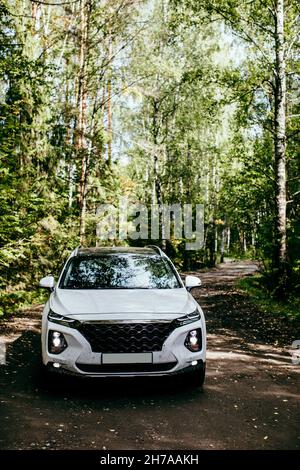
<point x="43" y="374"/>
<point x="197" y="377"/>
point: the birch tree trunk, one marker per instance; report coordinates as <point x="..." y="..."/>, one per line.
<point x="222" y="245"/>
<point x="280" y="136"/>
<point x="228" y="239"/>
<point x="109" y="104"/>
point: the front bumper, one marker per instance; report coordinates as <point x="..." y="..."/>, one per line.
<point x="200" y="367"/>
<point x="79" y="359"/>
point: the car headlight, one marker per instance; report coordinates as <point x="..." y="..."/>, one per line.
<point x="56" y="342"/>
<point x="193" y="341"/>
<point x="189" y="318"/>
<point x="61" y="320"/>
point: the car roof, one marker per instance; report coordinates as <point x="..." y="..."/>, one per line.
<point x="115" y="250"/>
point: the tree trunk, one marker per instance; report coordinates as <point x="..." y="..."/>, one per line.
<point x="216" y="239"/>
<point x="241" y="238"/>
<point x="244" y="242"/>
<point x="109" y="107"/>
<point x="158" y="194"/>
<point x="157" y="181"/>
<point x="222" y="245"/>
<point x="253" y="240"/>
<point x="34" y="11"/>
<point x="81" y="144"/>
<point x="280" y="138"/>
<point x="228" y="236"/>
<point x="102" y="117"/>
<point x="211" y="244"/>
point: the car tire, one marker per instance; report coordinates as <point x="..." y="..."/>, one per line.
<point x="197" y="377"/>
<point x="43" y="374"/>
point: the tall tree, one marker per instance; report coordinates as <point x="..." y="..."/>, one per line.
<point x="82" y="120"/>
<point x="280" y="134"/>
<point x="261" y="26"/>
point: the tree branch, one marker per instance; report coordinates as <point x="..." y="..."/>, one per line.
<point x="39" y="2"/>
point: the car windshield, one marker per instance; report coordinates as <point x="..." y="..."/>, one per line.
<point x="119" y="272"/>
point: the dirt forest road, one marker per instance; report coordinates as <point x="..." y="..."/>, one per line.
<point x="250" y="399"/>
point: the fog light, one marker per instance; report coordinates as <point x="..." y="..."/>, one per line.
<point x="56" y="365"/>
<point x="56" y="342"/>
<point x="194" y="363"/>
<point x="193" y="340"/>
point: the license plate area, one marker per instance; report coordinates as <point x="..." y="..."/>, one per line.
<point x="127" y="358"/>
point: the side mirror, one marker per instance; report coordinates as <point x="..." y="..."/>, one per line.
<point x="47" y="282"/>
<point x="191" y="282"/>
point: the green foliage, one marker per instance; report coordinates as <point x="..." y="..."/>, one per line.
<point x="192" y="96"/>
<point x="11" y="302"/>
<point x="257" y="289"/>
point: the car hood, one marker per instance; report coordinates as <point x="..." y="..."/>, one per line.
<point x="122" y="303"/>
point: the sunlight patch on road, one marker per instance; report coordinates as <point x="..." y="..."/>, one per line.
<point x="270" y="358"/>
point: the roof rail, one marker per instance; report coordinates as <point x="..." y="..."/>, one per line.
<point x="156" y="248"/>
<point x="75" y="252"/>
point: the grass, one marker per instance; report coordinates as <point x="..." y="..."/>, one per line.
<point x="253" y="287"/>
<point x="11" y="302"/>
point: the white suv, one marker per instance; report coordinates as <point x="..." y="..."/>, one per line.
<point x="123" y="312"/>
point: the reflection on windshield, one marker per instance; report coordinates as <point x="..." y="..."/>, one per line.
<point x="119" y="272"/>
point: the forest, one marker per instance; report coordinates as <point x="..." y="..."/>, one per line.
<point x="159" y="101"/>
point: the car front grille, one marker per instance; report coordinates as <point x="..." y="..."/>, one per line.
<point x="125" y="368"/>
<point x="126" y="337"/>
